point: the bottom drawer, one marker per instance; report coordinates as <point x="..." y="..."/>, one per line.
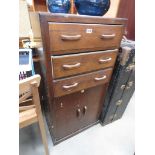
<point x="84" y="81"/>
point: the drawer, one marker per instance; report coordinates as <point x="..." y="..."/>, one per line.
<point x="73" y="37"/>
<point x="80" y="82"/>
<point x="84" y="62"/>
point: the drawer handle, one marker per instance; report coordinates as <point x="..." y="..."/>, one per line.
<point x="71" y="66"/>
<point x="66" y="37"/>
<point x="70" y="86"/>
<point x="105" y="60"/>
<point x="84" y="110"/>
<point x="101" y="78"/>
<point x="78" y="112"/>
<point x="123" y="87"/>
<point x="107" y="36"/>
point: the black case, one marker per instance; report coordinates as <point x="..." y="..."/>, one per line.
<point x="122" y="84"/>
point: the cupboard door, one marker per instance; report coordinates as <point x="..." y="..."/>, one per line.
<point x="67" y="115"/>
<point x="91" y="104"/>
<point x="77" y="110"/>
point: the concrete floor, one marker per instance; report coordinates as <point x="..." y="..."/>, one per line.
<point x="116" y="138"/>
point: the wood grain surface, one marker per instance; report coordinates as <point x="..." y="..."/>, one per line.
<point x="74" y="64"/>
<point x="73" y="38"/>
<point x="76" y="83"/>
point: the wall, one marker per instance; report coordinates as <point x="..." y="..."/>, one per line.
<point x="112" y="12"/>
<point x="24" y="22"/>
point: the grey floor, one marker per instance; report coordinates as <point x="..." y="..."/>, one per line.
<point x="114" y="139"/>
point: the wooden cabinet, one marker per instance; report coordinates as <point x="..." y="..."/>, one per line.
<point x="77" y="63"/>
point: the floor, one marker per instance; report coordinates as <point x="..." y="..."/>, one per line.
<point x="116" y="138"/>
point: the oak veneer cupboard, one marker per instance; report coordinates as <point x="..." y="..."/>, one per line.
<point x="78" y="56"/>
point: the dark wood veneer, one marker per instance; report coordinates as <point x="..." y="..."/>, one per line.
<point x="70" y="18"/>
<point x="66" y="108"/>
<point x="68" y="38"/>
<point x="80" y="82"/>
<point x="74" y="64"/>
<point x="71" y="112"/>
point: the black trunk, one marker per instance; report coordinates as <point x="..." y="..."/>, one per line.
<point x="122" y="85"/>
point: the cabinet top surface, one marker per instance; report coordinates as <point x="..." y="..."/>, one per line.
<point x="60" y="17"/>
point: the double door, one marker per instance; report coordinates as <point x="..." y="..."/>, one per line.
<point x="76" y="111"/>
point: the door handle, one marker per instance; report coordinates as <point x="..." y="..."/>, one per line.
<point x="101" y="78"/>
<point x="105" y="60"/>
<point x="108" y="36"/>
<point x="71" y="66"/>
<point x="70" y="37"/>
<point x="70" y="86"/>
<point x="78" y="112"/>
<point x="85" y="110"/>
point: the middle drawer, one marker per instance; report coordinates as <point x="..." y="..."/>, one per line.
<point x="74" y="64"/>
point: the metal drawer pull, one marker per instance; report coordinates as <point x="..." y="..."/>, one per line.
<point x="119" y="102"/>
<point x="68" y="37"/>
<point x="101" y="78"/>
<point x="78" y="112"/>
<point x="130" y="84"/>
<point x="70" y="86"/>
<point x="127" y="88"/>
<point x="107" y="36"/>
<point x="71" y="66"/>
<point x="84" y="109"/>
<point x="122" y="87"/>
<point x="130" y="67"/>
<point x="105" y="60"/>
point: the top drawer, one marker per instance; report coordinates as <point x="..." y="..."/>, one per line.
<point x="72" y="38"/>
